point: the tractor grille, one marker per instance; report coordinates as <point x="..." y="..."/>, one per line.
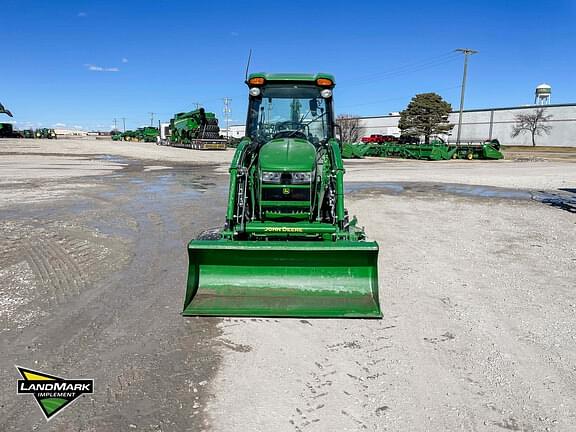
<point x="277" y="194"/>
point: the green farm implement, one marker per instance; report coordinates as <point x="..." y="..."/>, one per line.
<point x="5" y="111"/>
<point x="434" y="151"/>
<point x="478" y="150"/>
<point x="288" y="247"/>
<point x="196" y="130"/>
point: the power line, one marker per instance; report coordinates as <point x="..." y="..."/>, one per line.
<point x="405" y="69"/>
<point x="395" y="98"/>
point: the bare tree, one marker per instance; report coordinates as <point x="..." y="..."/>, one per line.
<point x="350" y="125"/>
<point x="532" y="123"/>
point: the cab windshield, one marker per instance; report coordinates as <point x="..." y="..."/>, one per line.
<point x="290" y="111"/>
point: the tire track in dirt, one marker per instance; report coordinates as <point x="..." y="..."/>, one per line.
<point x="64" y="259"/>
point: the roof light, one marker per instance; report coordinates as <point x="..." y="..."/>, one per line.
<point x="256" y="81"/>
<point x="254" y="91"/>
<point x="324" y="82"/>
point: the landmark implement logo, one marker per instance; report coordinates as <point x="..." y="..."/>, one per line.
<point x="52" y="393"/>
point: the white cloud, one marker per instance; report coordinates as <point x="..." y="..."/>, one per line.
<point x="124" y="60"/>
<point x="59" y="124"/>
<point x="95" y="68"/>
<point x="82" y="14"/>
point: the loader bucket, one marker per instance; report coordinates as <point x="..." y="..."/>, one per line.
<point x="282" y="279"/>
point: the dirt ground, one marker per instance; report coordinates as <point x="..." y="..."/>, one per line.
<point x="477" y="271"/>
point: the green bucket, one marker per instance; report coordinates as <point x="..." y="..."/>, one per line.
<point x="283" y="279"/>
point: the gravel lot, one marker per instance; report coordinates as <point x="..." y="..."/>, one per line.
<point x="477" y="285"/>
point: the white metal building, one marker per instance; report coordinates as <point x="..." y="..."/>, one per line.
<point x="480" y="124"/>
<point x="234" y="131"/>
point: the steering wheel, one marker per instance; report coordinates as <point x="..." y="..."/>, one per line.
<point x="290" y="134"/>
<point x="289" y="129"/>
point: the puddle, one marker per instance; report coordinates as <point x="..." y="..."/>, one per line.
<point x="396" y="188"/>
<point x="564" y="199"/>
<point x="112" y="158"/>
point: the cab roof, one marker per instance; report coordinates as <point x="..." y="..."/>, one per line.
<point x="291" y="77"/>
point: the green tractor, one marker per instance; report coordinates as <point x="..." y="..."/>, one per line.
<point x="6" y="130"/>
<point x="129" y="135"/>
<point x="147" y="134"/>
<point x="196" y="129"/>
<point x="28" y="133"/>
<point x="45" y="133"/>
<point x="288" y="247"/>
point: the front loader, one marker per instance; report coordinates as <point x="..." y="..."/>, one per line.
<point x="288" y="247"/>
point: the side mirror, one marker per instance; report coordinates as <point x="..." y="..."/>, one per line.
<point x="338" y="133"/>
<point x="314" y="107"/>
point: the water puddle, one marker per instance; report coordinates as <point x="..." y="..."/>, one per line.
<point x="564" y="199"/>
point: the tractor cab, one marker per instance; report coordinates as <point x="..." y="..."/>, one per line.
<point x="290" y="120"/>
<point x="290" y="106"/>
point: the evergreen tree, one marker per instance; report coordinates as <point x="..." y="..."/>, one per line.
<point x="427" y="115"/>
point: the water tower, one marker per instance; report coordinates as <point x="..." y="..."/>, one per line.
<point x="542" y="94"/>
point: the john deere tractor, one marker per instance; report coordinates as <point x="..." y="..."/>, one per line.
<point x="46" y="133"/>
<point x="288" y="246"/>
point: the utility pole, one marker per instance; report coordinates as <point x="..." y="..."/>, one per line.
<point x="227" y="112"/>
<point x="115" y="128"/>
<point x="466" y="52"/>
<point x="124" y="124"/>
<point x="151" y="118"/>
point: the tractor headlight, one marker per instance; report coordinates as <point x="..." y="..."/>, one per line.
<point x="301" y="177"/>
<point x="254" y="91"/>
<point x="271" y="177"/>
<point x="326" y="93"/>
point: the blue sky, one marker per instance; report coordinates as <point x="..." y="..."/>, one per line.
<point x="83" y="63"/>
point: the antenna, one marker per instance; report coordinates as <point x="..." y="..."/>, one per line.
<point x="248" y="64"/>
